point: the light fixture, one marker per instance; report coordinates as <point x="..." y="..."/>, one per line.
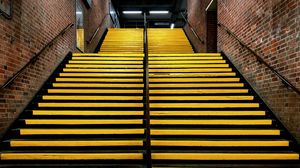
<point x="79" y="13"/>
<point x="172" y="26"/>
<point x="132" y="12"/>
<point x="159" y="12"/>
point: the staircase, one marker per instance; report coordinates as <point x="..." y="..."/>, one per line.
<point x="91" y="111"/>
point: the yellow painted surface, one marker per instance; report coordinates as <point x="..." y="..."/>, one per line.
<point x="225" y="156"/>
<point x="185" y="54"/>
<point x="190" y="66"/>
<point x="106" y="62"/>
<point x="228" y="143"/>
<point x="81" y="121"/>
<point x="71" y="156"/>
<point x="102" y="66"/>
<point x="198" y="91"/>
<point x="80" y="39"/>
<point x="86" y="112"/>
<point x="76" y="104"/>
<point x="194" y="85"/>
<point x="194" y="80"/>
<point x="204" y="105"/>
<point x="211" y="122"/>
<point x="137" y="80"/>
<point x="107" y="54"/>
<point x="137" y="91"/>
<point x="191" y="74"/>
<point x="131" y="58"/>
<point x="101" y="74"/>
<point x="75" y="131"/>
<point x="191" y="70"/>
<point x="207" y="113"/>
<point x="76" y="97"/>
<point x="102" y="70"/>
<point x="63" y="143"/>
<point x="185" y="58"/>
<point x="105" y="85"/>
<point x="201" y="97"/>
<point x="188" y="62"/>
<point x="215" y="132"/>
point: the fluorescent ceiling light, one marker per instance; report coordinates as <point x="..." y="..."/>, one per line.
<point x="132" y="12"/>
<point x="159" y="12"/>
<point x="79" y="13"/>
<point x="172" y="26"/>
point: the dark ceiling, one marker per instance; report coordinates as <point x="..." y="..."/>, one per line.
<point x="155" y="20"/>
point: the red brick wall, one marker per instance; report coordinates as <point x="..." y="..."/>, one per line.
<point x="272" y="29"/>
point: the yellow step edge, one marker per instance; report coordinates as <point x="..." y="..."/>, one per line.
<point x="76" y="97"/>
<point x="187" y="62"/>
<point x="137" y="91"/>
<point x="64" y="143"/>
<point x="193" y="85"/>
<point x="190" y="66"/>
<point x="214" y="132"/>
<point x="102" y="70"/>
<point x="207" y="113"/>
<point x="73" y="131"/>
<point x="101" y="74"/>
<point x="87" y="105"/>
<point x="225" y="156"/>
<point x="188" y="54"/>
<point x="137" y="80"/>
<point x="204" y="105"/>
<point x="197" y="91"/>
<point x="201" y="98"/>
<point x="109" y="58"/>
<point x="194" y="80"/>
<point x="211" y="122"/>
<point x="184" y="58"/>
<point x="192" y="74"/>
<point x="104" y="66"/>
<point x="107" y="85"/>
<point x="106" y="54"/>
<point x="86" y="112"/>
<point x="192" y="70"/>
<point x="227" y="143"/>
<point x="106" y="62"/>
<point x="81" y="121"/>
<point x="71" y="156"/>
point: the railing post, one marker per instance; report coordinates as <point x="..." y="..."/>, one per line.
<point x="146" y="97"/>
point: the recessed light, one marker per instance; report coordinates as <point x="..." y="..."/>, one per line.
<point x="132" y="12"/>
<point x="159" y="12"/>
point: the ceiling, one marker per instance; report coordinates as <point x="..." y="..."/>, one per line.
<point x="155" y="20"/>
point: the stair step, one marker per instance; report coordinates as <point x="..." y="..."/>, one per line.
<point x="135" y="91"/>
<point x="194" y="85"/>
<point x="102" y="70"/>
<point x="196" y="91"/>
<point x="204" y="105"/>
<point x="190" y="74"/>
<point x="215" y="132"/>
<point x="191" y="70"/>
<point x="114" y="58"/>
<point x="86" y="112"/>
<point x="197" y="98"/>
<point x="76" y="131"/>
<point x="187" y="62"/>
<point x="107" y="54"/>
<point x="225" y="156"/>
<point x="108" y="62"/>
<point x="76" y="97"/>
<point x="103" y="75"/>
<point x="102" y="85"/>
<point x="89" y="105"/>
<point x="179" y="80"/>
<point x="220" y="143"/>
<point x="182" y="55"/>
<point x="103" y="66"/>
<point x="71" y="156"/>
<point x="186" y="66"/>
<point x="135" y="80"/>
<point x="185" y="58"/>
<point x="81" y="121"/>
<point x="207" y="113"/>
<point x="211" y="122"/>
<point x="74" y="143"/>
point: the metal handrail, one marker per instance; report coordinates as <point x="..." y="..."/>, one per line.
<point x="146" y="96"/>
<point x="11" y="11"/>
<point x="97" y="30"/>
<point x="192" y="29"/>
<point x="35" y="57"/>
<point x="260" y="59"/>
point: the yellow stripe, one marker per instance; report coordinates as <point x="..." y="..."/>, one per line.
<point x="197" y="91"/>
<point x="194" y="85"/>
<point x="194" y="79"/>
<point x="76" y="104"/>
<point x="73" y="131"/>
<point x="107" y="85"/>
<point x="140" y="80"/>
<point x="201" y="97"/>
<point x="71" y="156"/>
<point x="102" y="66"/>
<point x="111" y="54"/>
<point x="181" y="55"/>
<point x="214" y="132"/>
<point x="219" y="143"/>
<point x="101" y="74"/>
<point x="101" y="70"/>
<point x="188" y="62"/>
<point x="204" y="105"/>
<point x="190" y="74"/>
<point x="192" y="70"/>
<point x="225" y="156"/>
<point x="76" y="97"/>
<point x="184" y="58"/>
<point x="207" y="113"/>
<point x="190" y="66"/>
<point x="112" y="58"/>
<point x="106" y="62"/>
<point x="85" y="112"/>
<point x="137" y="91"/>
<point x="211" y="122"/>
<point x="36" y="143"/>
<point x="81" y="121"/>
